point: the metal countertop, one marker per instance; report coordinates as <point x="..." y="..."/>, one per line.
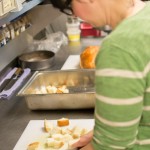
<point x="14" y="114"/>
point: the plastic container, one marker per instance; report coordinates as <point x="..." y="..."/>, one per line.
<point x="74" y="35"/>
<point x="73" y="26"/>
<point x="72" y="23"/>
<point x="88" y="30"/>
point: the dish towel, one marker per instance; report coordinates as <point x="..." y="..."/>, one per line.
<point x="5" y="94"/>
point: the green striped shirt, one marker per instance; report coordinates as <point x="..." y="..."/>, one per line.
<point x="122" y="109"/>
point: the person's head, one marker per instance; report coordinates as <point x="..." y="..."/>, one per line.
<point x="97" y="12"/>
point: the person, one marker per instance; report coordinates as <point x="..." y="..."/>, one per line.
<point x="122" y="74"/>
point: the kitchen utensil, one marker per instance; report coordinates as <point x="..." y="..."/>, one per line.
<point x="13" y="86"/>
<point x="37" y="60"/>
<point x="4" y="84"/>
<point x="8" y="83"/>
<point x="17" y="74"/>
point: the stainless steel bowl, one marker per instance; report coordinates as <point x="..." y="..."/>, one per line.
<point x="37" y="60"/>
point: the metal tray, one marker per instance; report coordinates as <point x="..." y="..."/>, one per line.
<point x="80" y="83"/>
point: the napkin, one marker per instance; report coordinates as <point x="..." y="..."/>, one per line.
<point x="5" y="94"/>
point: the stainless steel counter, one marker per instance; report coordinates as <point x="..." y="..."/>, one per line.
<point x="14" y="114"/>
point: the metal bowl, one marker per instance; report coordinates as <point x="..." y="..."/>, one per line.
<point x="37" y="60"/>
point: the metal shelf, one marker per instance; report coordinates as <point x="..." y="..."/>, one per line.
<point x="12" y="15"/>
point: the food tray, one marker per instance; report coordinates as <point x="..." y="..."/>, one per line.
<point x="80" y="83"/>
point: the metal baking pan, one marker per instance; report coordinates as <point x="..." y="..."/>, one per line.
<point x="80" y="83"/>
<point x="37" y="60"/>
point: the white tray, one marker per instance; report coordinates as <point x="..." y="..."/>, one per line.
<point x="34" y="131"/>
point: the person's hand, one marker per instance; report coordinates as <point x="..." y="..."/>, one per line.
<point x="84" y="140"/>
<point x="87" y="147"/>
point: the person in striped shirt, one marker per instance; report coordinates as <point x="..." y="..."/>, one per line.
<point x="122" y="75"/>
